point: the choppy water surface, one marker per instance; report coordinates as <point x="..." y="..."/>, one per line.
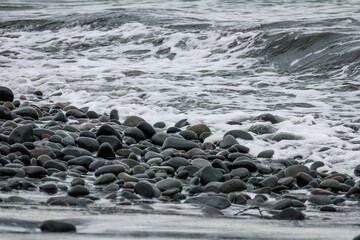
<point x="209" y="61"/>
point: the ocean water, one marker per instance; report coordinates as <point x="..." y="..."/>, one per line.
<point x="209" y="61"/>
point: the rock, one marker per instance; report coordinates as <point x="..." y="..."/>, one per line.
<point x="146" y="189"/>
<point x="217" y="202"/>
<point x="328" y="209"/>
<point x="303" y="179"/>
<point x="316" y="165"/>
<point x="5" y="113"/>
<point x="269" y="182"/>
<point x="209" y="174"/>
<point x="26" y="112"/>
<point x="6" y="95"/>
<point x="290" y="214"/>
<point x="60" y="117"/>
<point x="78" y="190"/>
<point x="267" y="117"/>
<point x="159" y="138"/>
<point x="249" y="165"/>
<point x="49" y="187"/>
<point x="188" y="135"/>
<point x="107" y="130"/>
<point x="35" y="171"/>
<point x="282" y="204"/>
<point x="8" y="172"/>
<point x="330" y="183"/>
<point x="199" y="129"/>
<point x="169" y="183"/>
<point x="357" y="170"/>
<point x="240" y="172"/>
<point x="105" y="179"/>
<point x="285" y="136"/>
<point x="228" y="141"/>
<point x="133" y="121"/>
<point x="239" y="134"/>
<point x="292" y="171"/>
<point x="135" y="133"/>
<point x="261" y="129"/>
<point x="232" y="185"/>
<point x="112" y="140"/>
<point x="57" y="226"/>
<point x="179" y="144"/>
<point x="21" y="134"/>
<point x="106" y="151"/>
<point x="211" y="212"/>
<point x="182" y="123"/>
<point x="67" y="141"/>
<point x="114" y="114"/>
<point x="115" y="169"/>
<point x="55" y="164"/>
<point x="266" y="154"/>
<point x="84" y="161"/>
<point x="75" y="113"/>
<point x="88" y="143"/>
<point x="71" y="201"/>
<point x="147" y="129"/>
<point x="320" y="200"/>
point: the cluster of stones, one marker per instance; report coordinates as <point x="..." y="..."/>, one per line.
<point x="78" y="156"/>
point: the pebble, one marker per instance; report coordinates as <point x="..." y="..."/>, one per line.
<point x="106" y="151"/>
<point x="232" y="185"/>
<point x="292" y="171"/>
<point x="320" y="200"/>
<point x="21" y="134"/>
<point x="239" y="134"/>
<point x="57" y="226"/>
<point x="179" y="144"/>
<point x="208" y="174"/>
<point x="217" y="202"/>
<point x="290" y="214"/>
<point x="6" y="95"/>
<point x="78" y="190"/>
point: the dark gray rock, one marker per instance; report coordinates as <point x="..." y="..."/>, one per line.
<point x="232" y="185"/>
<point x="49" y="187"/>
<point x="71" y="201"/>
<point x="7" y="172"/>
<point x="179" y="144"/>
<point x="282" y="204"/>
<point x="269" y="182"/>
<point x="357" y="170"/>
<point x="292" y="171"/>
<point x="240" y="134"/>
<point x="318" y="164"/>
<point x="267" y="117"/>
<point x="199" y="129"/>
<point x="261" y="129"/>
<point x="57" y="226"/>
<point x="209" y="174"/>
<point x="84" y="161"/>
<point x="330" y="183"/>
<point x="112" y="140"/>
<point x="147" y="129"/>
<point x="114" y="114"/>
<point x="285" y="136"/>
<point x="159" y="138"/>
<point x="217" y="202"/>
<point x="146" y="189"/>
<point x="320" y="200"/>
<point x="248" y="164"/>
<point x="169" y="183"/>
<point x="78" y="190"/>
<point x="290" y="214"/>
<point x="105" y="179"/>
<point x="181" y="123"/>
<point x="133" y="121"/>
<point x="135" y="133"/>
<point x="35" y="171"/>
<point x="115" y="169"/>
<point x="303" y="179"/>
<point x="21" y="134"/>
<point x="88" y="143"/>
<point x="55" y="164"/>
<point x="60" y="117"/>
<point x="108" y="131"/>
<point x="266" y="154"/>
<point x="228" y="141"/>
<point x="75" y="113"/>
<point x="240" y="172"/>
<point x="26" y="112"/>
<point x="188" y="135"/>
<point x="177" y="162"/>
<point x="6" y="95"/>
<point x="106" y="151"/>
<point x="5" y="113"/>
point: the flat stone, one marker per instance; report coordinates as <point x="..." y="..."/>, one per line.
<point x="84" y="161"/>
<point x="55" y="164"/>
<point x="266" y="154"/>
<point x="177" y="162"/>
<point x="209" y="174"/>
<point x="330" y="183"/>
<point x="232" y="185"/>
<point x="49" y="187"/>
<point x="240" y="172"/>
<point x="105" y="179"/>
<point x="285" y="136"/>
<point x="268" y="117"/>
<point x="292" y="171"/>
<point x="320" y="200"/>
<point x="269" y="182"/>
<point x="57" y="226"/>
<point x="21" y="134"/>
<point x="282" y="204"/>
<point x="290" y="214"/>
<point x="228" y="141"/>
<point x="261" y="129"/>
<point x="179" y="144"/>
<point x="217" y="202"/>
<point x="88" y="143"/>
<point x="169" y="183"/>
<point x="26" y="112"/>
<point x="75" y="113"/>
<point x="35" y="171"/>
<point x="78" y="190"/>
<point x="240" y="134"/>
<point x="248" y="164"/>
<point x="115" y="169"/>
<point x="5" y="113"/>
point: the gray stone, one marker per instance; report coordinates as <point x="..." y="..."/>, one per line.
<point x="269" y="182"/>
<point x="267" y="117"/>
<point x="57" y="226"/>
<point x="21" y="134"/>
<point x="282" y="204"/>
<point x="35" y="171"/>
<point x="115" y="169"/>
<point x="217" y="202"/>
<point x="290" y="214"/>
<point x="330" y="183"/>
<point x="146" y="189"/>
<point x="266" y="154"/>
<point x="228" y="141"/>
<point x="135" y="133"/>
<point x="316" y="165"/>
<point x="88" y="143"/>
<point x="240" y="172"/>
<point x="209" y="174"/>
<point x="75" y="113"/>
<point x="147" y="129"/>
<point x="159" y="138"/>
<point x="320" y="200"/>
<point x="105" y="179"/>
<point x="26" y="112"/>
<point x="261" y="129"/>
<point x="240" y="134"/>
<point x="179" y="144"/>
<point x="303" y="179"/>
<point x="292" y="171"/>
<point x="49" y="187"/>
<point x="169" y="183"/>
<point x="199" y="129"/>
<point x="6" y="95"/>
<point x="112" y="140"/>
<point x="108" y="130"/>
<point x="133" y="121"/>
<point x="5" y="113"/>
<point x="177" y="162"/>
<point x="78" y="190"/>
<point x="232" y="185"/>
<point x="285" y="136"/>
<point x="200" y="163"/>
<point x="84" y="161"/>
<point x="106" y="151"/>
<point x="60" y="117"/>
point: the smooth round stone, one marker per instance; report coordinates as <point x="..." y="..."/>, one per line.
<point x="75" y="113"/>
<point x="188" y="135"/>
<point x="108" y="130"/>
<point x="35" y="171"/>
<point x="266" y="154"/>
<point x="228" y="141"/>
<point x="330" y="183"/>
<point x="146" y="189"/>
<point x="268" y="117"/>
<point x="199" y="129"/>
<point x="67" y="141"/>
<point x="177" y="162"/>
<point x="49" y="187"/>
<point x="106" y="151"/>
<point x="26" y="112"/>
<point x="303" y="179"/>
<point x="169" y="183"/>
<point x="21" y="134"/>
<point x="240" y="134"/>
<point x="54" y="164"/>
<point x="261" y="129"/>
<point x="115" y="169"/>
<point x="78" y="190"/>
<point x="263" y="169"/>
<point x="127" y="178"/>
<point x="269" y="182"/>
<point x="316" y="165"/>
<point x="88" y="143"/>
<point x="200" y="163"/>
<point x="112" y="140"/>
<point x="133" y="121"/>
<point x="292" y="171"/>
<point x="328" y="209"/>
<point x="5" y="113"/>
<point x="286" y="181"/>
<point x="249" y="165"/>
<point x="240" y="172"/>
<point x="135" y="133"/>
<point x="6" y="95"/>
<point x="217" y="202"/>
<point x="159" y="138"/>
<point x="60" y="117"/>
<point x="179" y="144"/>
<point x="290" y="214"/>
<point x="57" y="226"/>
<point x="211" y="212"/>
<point x="232" y="185"/>
<point x="114" y="114"/>
<point x="77" y="181"/>
<point x="219" y="164"/>
<point x="282" y="204"/>
<point x="84" y="161"/>
<point x="147" y="129"/>
<point x="71" y="201"/>
<point x="105" y="179"/>
<point x="320" y="200"/>
<point x="182" y="123"/>
<point x="285" y="136"/>
<point x="129" y="195"/>
<point x="130" y="162"/>
<point x="209" y="174"/>
<point x="112" y="187"/>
